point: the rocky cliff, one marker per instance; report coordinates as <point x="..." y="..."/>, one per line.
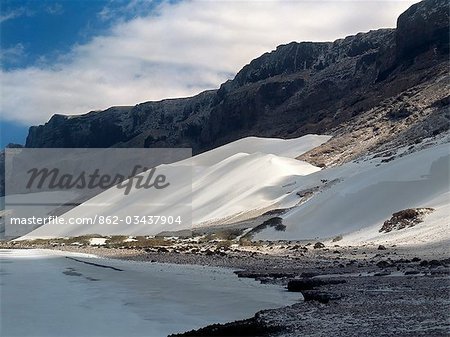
<point x="298" y="88"/>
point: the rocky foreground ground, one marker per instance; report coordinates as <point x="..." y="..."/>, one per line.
<point x="347" y="291"/>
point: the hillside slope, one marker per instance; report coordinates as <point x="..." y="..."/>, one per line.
<point x="367" y="193"/>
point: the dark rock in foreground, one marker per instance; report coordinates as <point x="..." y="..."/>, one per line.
<point x="319" y="245"/>
<point x="297" y="285"/>
<point x="252" y="327"/>
<point x="319" y="296"/>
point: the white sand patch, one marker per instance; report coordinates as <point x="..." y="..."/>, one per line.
<point x="97" y="241"/>
<point x="130" y="239"/>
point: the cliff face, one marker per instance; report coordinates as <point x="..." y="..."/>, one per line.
<point x="299" y="88"/>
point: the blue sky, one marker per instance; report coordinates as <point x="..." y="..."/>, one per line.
<point x="32" y="31"/>
<point x="74" y="56"/>
<point x="43" y="29"/>
<point x="38" y="32"/>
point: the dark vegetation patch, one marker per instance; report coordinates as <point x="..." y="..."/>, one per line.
<point x="405" y="219"/>
<point x="275" y="222"/>
<point x="337" y="238"/>
<point x="136" y="242"/>
<point x="277" y="211"/>
<point x="225" y="234"/>
<point x="113" y="241"/>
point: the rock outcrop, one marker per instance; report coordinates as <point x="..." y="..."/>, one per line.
<point x="298" y="88"/>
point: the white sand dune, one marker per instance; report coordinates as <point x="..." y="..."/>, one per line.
<point x="369" y="193"/>
<point x="240" y="180"/>
<point x="248" y="177"/>
<point x="245" y="183"/>
<point x="290" y="148"/>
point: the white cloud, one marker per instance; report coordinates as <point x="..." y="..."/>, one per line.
<point x="132" y="8"/>
<point x="54" y="9"/>
<point x="179" y="50"/>
<point x="13" y="14"/>
<point x="13" y="54"/>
